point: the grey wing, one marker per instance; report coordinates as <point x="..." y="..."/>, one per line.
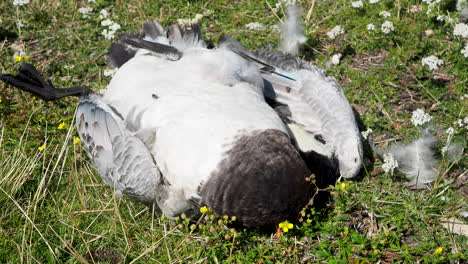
<point x="122" y="159"/>
<point x="320" y="116"/>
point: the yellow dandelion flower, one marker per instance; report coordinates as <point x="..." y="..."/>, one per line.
<point x="76" y="140"/>
<point x="438" y="251"/>
<point x="203" y="210"/>
<point x="61" y="126"/>
<point x="341" y="186"/>
<point x="18" y="58"/>
<point x="41" y="148"/>
<point x="285" y="226"/>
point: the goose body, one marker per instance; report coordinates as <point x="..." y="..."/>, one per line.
<point x="196" y="111"/>
<point x="181" y="126"/>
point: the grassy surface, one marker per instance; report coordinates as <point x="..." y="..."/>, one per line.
<point x="54" y="207"/>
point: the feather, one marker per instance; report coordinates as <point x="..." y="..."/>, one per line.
<point x="292" y="31"/>
<point x="455" y="152"/>
<point x="416" y="159"/>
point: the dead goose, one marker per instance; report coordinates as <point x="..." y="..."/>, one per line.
<point x="181" y="126"/>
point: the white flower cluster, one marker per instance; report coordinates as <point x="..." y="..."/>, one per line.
<point x="373" y="1"/>
<point x="85" y="11"/>
<point x="357" y="4"/>
<point x="335" y="59"/>
<point x="431" y="2"/>
<point x="255" y="26"/>
<point x="464" y="51"/>
<point x="103" y="14"/>
<point x="415" y="8"/>
<point x="420" y="118"/>
<point x="20" y="2"/>
<point x="109" y="72"/>
<point x="432" y="62"/>
<point x="188" y="21"/>
<point x="390" y="163"/>
<point x="365" y="134"/>
<point x="336" y="31"/>
<point x="462" y="122"/>
<point x="450" y="131"/>
<point x="112" y="27"/>
<point x="385" y="14"/>
<point x="370" y="27"/>
<point x="387" y="27"/>
<point x="461" y="29"/>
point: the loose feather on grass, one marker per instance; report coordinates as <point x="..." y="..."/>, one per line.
<point x="292" y="31"/>
<point x="416" y="159"/>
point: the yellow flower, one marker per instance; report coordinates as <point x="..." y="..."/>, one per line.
<point x="309" y="221"/>
<point x="76" y="140"/>
<point x="61" y="126"/>
<point x="41" y="148"/>
<point x="341" y="186"/>
<point x="438" y="251"/>
<point x="18" y="58"/>
<point x="203" y="210"/>
<point x="285" y="226"/>
<point x="27" y="58"/>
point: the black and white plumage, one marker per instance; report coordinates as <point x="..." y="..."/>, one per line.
<point x="181" y="126"/>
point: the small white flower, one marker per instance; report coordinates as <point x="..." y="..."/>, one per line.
<point x="385" y="14"/>
<point x="464" y="51"/>
<point x="357" y="4"/>
<point x="390" y="163"/>
<point x="415" y="9"/>
<point x="459" y="122"/>
<point x="450" y="131"/>
<point x="114" y="27"/>
<point x="335" y="59"/>
<point x="103" y="14"/>
<point x="370" y="27"/>
<point x="440" y="18"/>
<point x="109" y="72"/>
<point x="255" y="26"/>
<point x="431" y="2"/>
<point x="106" y="22"/>
<point x="69" y="67"/>
<point x="366" y="133"/>
<point x="91" y="1"/>
<point x="432" y="62"/>
<point x="420" y="118"/>
<point x="275" y="28"/>
<point x="387" y="27"/>
<point x="373" y="1"/>
<point x="444" y="149"/>
<point x="108" y="34"/>
<point x="20" y="23"/>
<point x="190" y="21"/>
<point x="461" y="29"/>
<point x="20" y="2"/>
<point x="85" y="11"/>
<point x="336" y="31"/>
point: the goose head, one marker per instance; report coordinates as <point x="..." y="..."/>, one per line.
<point x="350" y="157"/>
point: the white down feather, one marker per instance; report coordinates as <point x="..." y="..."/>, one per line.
<point x="292" y="31"/>
<point x="417" y="160"/>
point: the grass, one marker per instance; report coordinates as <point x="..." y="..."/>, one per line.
<point x="54" y="208"/>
